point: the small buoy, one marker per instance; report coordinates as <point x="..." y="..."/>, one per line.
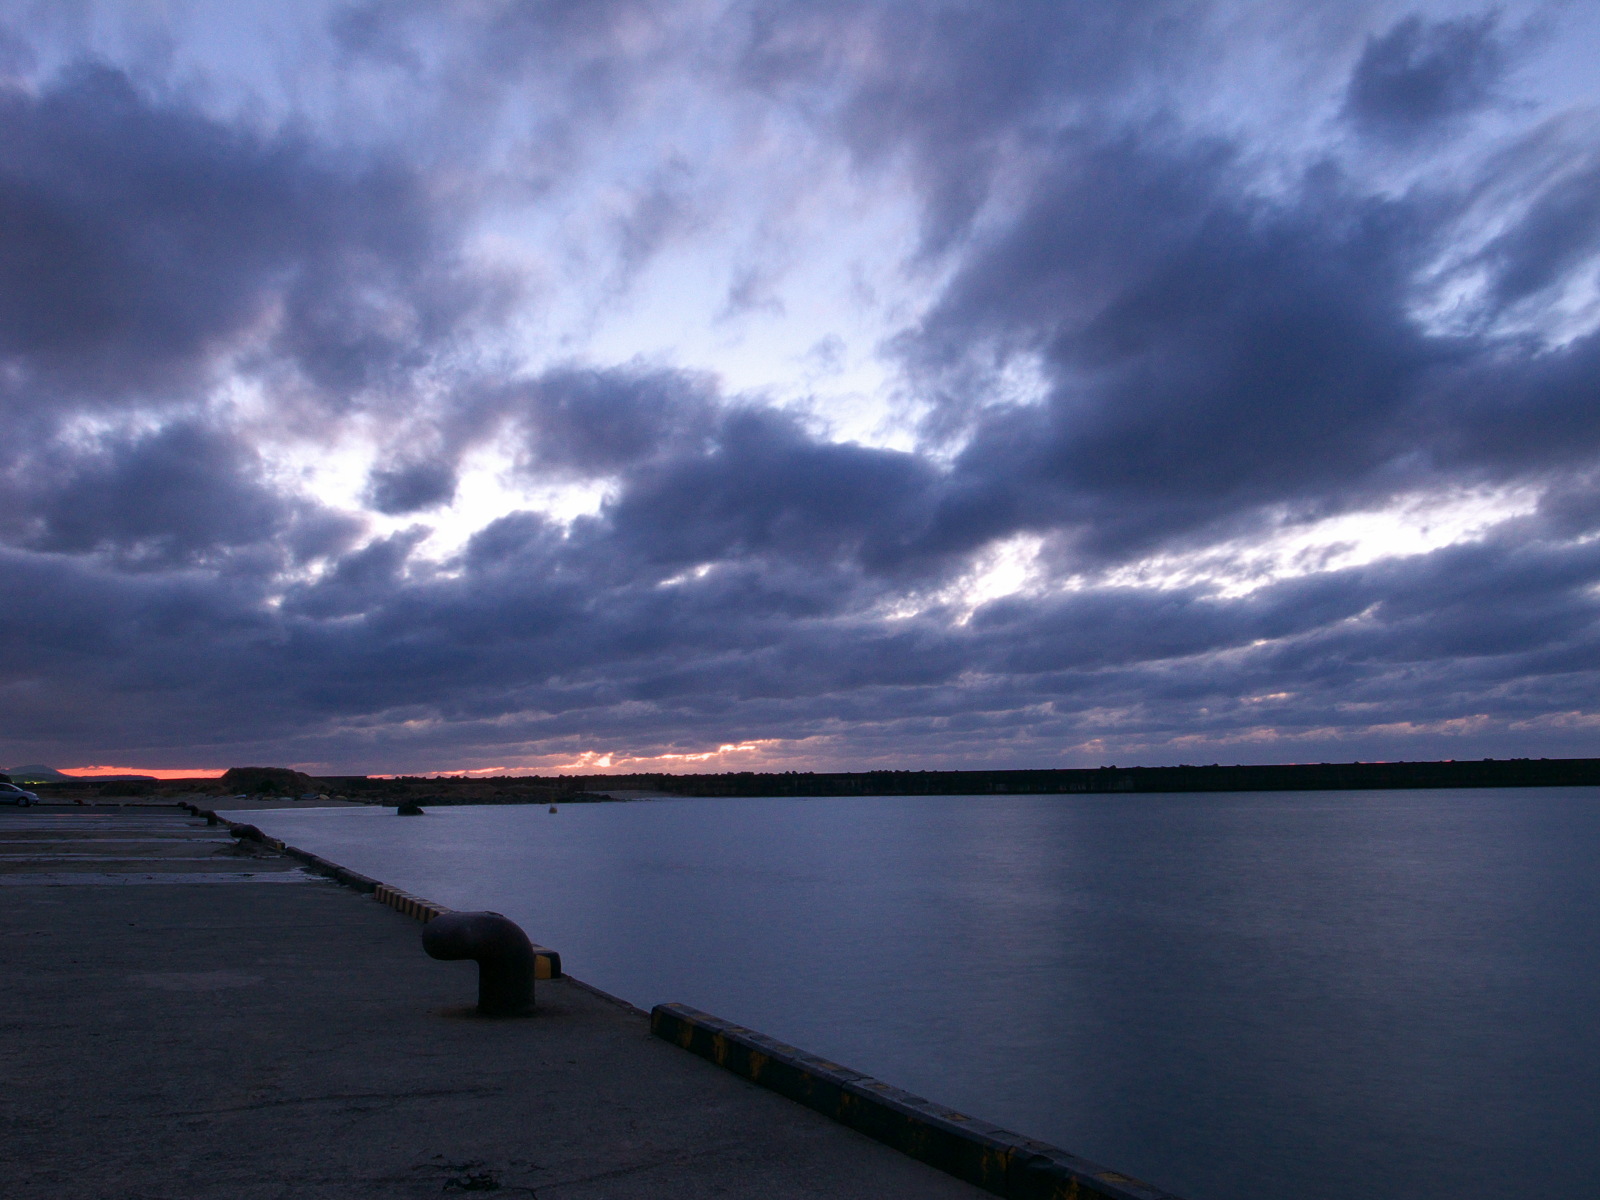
<point x="552" y="808"/>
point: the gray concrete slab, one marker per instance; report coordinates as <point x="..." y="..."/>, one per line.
<point x="234" y="803"/>
<point x="231" y="1040"/>
<point x="36" y="841"/>
<point x="112" y="803"/>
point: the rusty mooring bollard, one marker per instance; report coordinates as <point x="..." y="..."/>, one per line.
<point x="503" y="953"/>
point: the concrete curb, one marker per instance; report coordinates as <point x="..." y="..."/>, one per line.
<point x="546" y="962"/>
<point x="1001" y="1162"/>
<point x="412" y="906"/>
<point x="332" y="870"/>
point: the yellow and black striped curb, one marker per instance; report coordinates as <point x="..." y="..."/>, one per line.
<point x="412" y="906"/>
<point x="344" y="875"/>
<point x="1001" y="1162"/>
<point x="546" y="962"/>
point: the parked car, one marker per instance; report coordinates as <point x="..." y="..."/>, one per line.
<point x="10" y="793"/>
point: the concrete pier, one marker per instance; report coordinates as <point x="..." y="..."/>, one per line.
<point x="184" y="1016"/>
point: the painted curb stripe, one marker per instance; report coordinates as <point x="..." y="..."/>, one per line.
<point x="546" y="962"/>
<point x="1001" y="1162"/>
<point x="412" y="906"/>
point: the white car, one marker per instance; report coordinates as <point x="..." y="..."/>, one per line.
<point x="10" y="793"/>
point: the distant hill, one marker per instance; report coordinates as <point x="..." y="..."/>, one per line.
<point x="280" y="781"/>
<point x="39" y="773"/>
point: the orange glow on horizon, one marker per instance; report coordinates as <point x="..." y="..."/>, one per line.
<point x="594" y="760"/>
<point x="153" y="772"/>
<point x="598" y="762"/>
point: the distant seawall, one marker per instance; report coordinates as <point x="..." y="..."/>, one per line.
<point x="1290" y="777"/>
<point x="553" y="789"/>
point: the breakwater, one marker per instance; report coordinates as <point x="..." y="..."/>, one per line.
<point x="277" y="782"/>
<point x="1281" y="777"/>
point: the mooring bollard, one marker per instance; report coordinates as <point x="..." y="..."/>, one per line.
<point x="503" y="953"/>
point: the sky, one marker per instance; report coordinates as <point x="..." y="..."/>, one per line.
<point x="640" y="385"/>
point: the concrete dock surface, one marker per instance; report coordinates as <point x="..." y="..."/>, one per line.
<point x="185" y="1016"/>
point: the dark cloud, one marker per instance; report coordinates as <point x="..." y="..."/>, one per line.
<point x="1211" y="358"/>
<point x="358" y="581"/>
<point x="1207" y="353"/>
<point x="534" y="636"/>
<point x="590" y="422"/>
<point x="410" y="487"/>
<point x="1422" y="74"/>
<point x="766" y="489"/>
<point x="1559" y="232"/>
<point x="140" y="242"/>
<point x="185" y="495"/>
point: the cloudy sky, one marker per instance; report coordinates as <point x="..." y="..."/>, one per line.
<point x="798" y="384"/>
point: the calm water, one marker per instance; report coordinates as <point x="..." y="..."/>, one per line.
<point x="1239" y="997"/>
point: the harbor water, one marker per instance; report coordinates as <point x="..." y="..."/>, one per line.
<point x="1263" y="996"/>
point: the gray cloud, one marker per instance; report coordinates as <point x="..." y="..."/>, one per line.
<point x="184" y="495"/>
<point x="542" y="639"/>
<point x="142" y="242"/>
<point x="409" y="487"/>
<point x="1210" y="353"/>
<point x="597" y="422"/>
<point x="1559" y="233"/>
<point x="765" y="489"/>
<point x="1421" y="74"/>
<point x="958" y="87"/>
<point x="1214" y="357"/>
